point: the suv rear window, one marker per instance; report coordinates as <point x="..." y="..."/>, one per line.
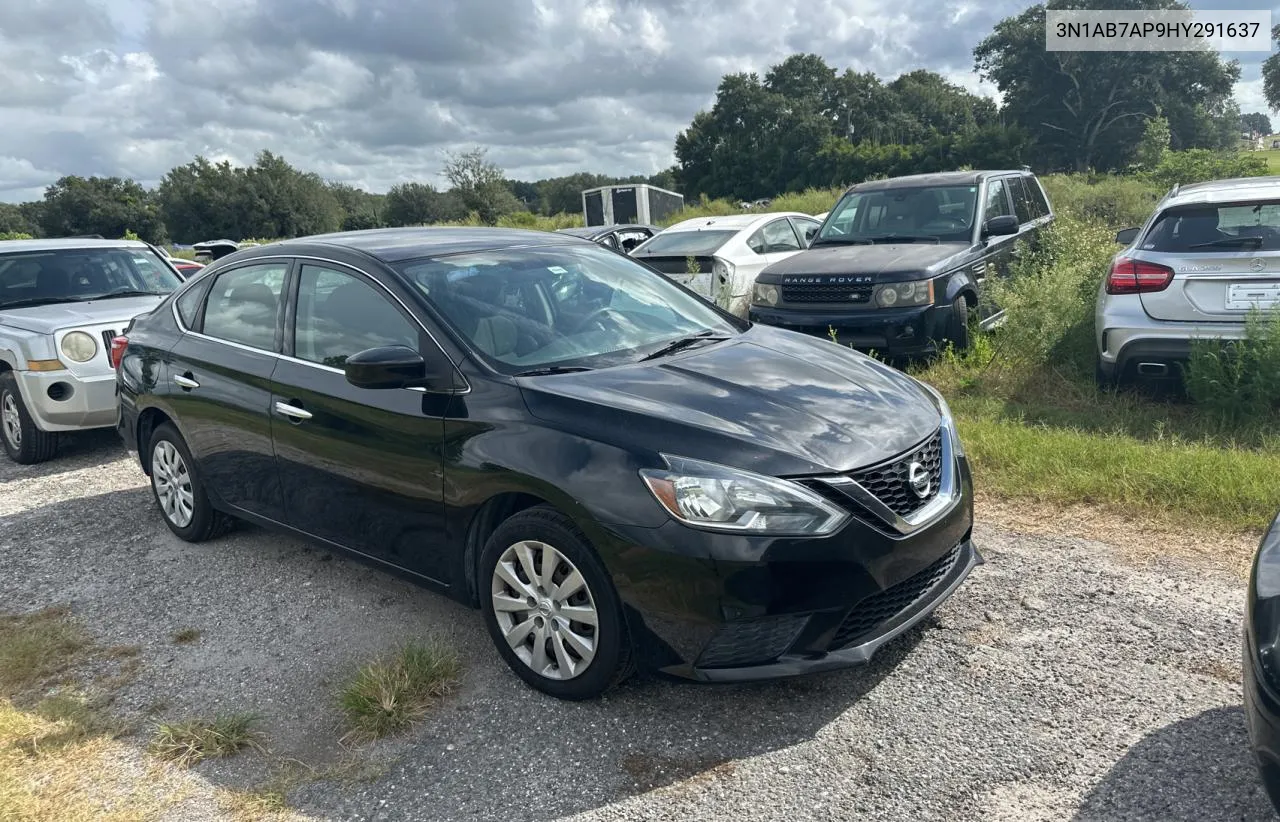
<point x="1209" y="229"/>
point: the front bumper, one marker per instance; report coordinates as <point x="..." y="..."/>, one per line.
<point x="762" y="608"/>
<point x="62" y="401"/>
<point x="890" y="330"/>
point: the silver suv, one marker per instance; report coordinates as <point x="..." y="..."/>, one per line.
<point x="1208" y="254"/>
<point x="61" y="304"/>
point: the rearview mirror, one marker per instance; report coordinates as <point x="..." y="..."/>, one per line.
<point x="1003" y="225"/>
<point x="1127" y="235"/>
<point x="390" y="366"/>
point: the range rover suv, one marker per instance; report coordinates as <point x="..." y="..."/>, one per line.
<point x="899" y="265"/>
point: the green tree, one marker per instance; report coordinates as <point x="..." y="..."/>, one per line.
<point x="100" y="205"/>
<point x="1255" y="122"/>
<point x="419" y="204"/>
<point x="480" y="184"/>
<point x="1088" y="109"/>
<point x="287" y="202"/>
<point x="13" y="220"/>
<point x="360" y="209"/>
<point x="1154" y="142"/>
<point x="206" y="201"/>
<point x="1271" y="74"/>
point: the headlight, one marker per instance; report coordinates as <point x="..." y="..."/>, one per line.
<point x="763" y="294"/>
<point x="915" y="292"/>
<point x="720" y="498"/>
<point x="79" y="346"/>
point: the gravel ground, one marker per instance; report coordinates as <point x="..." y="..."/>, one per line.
<point x="1059" y="683"/>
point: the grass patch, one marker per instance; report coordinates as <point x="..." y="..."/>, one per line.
<point x="193" y="741"/>
<point x="185" y="636"/>
<point x="36" y="647"/>
<point x="389" y="694"/>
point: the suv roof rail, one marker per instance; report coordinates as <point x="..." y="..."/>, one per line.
<point x="84" y="237"/>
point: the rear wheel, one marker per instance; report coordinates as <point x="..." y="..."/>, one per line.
<point x="23" y="441"/>
<point x="178" y="490"/>
<point x="551" y="609"/>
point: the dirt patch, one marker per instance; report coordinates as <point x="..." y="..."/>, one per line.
<point x="1136" y="539"/>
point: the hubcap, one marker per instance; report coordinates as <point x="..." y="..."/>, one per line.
<point x="10" y="421"/>
<point x="545" y="610"/>
<point x="172" y="483"/>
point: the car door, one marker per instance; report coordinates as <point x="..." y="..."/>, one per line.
<point x="806" y="228"/>
<point x="997" y="253"/>
<point x="219" y="383"/>
<point x="359" y="467"/>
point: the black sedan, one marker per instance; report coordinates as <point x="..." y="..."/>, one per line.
<point x="618" y="237"/>
<point x="615" y="472"/>
<point x="1262" y="660"/>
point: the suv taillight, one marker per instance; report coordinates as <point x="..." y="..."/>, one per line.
<point x="1138" y="277"/>
<point x="118" y="344"/>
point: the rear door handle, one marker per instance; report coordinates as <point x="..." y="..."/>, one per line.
<point x="184" y="381"/>
<point x="292" y="411"/>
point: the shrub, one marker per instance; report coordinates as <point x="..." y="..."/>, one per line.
<point x="1200" y="164"/>
<point x="15" y="235"/>
<point x="1238" y="379"/>
<point x="1116" y="201"/>
<point x="1049" y="297"/>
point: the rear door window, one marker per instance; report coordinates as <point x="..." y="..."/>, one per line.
<point x="244" y="305"/>
<point x="1021" y="200"/>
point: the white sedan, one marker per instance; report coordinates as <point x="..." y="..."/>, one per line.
<point x="719" y="257"/>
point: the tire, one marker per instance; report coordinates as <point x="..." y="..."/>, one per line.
<point x="511" y="564"/>
<point x="958" y="330"/>
<point x="1104" y="382"/>
<point x="175" y="483"/>
<point x="23" y="441"/>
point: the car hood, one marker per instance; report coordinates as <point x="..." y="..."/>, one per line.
<point x="46" y="319"/>
<point x="770" y="400"/>
<point x="886" y="262"/>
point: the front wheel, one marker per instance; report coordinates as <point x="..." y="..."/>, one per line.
<point x="551" y="609"/>
<point x="958" y="332"/>
<point x="23" y="441"/>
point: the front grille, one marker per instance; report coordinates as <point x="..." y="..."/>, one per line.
<point x="868" y="616"/>
<point x="107" y="337"/>
<point x="823" y="293"/>
<point x="753" y="641"/>
<point x="889" y="482"/>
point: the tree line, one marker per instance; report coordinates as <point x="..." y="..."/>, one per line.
<point x="203" y="200"/>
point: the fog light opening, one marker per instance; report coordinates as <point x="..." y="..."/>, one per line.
<point x="60" y="391"/>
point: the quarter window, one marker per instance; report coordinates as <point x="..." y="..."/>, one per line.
<point x="775" y="236"/>
<point x="244" y="303"/>
<point x="340" y="314"/>
<point x="1038" y="201"/>
<point x="189" y="304"/>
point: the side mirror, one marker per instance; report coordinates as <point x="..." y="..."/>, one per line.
<point x="390" y="366"/>
<point x="1125" y="236"/>
<point x="810" y="233"/>
<point x="1001" y="226"/>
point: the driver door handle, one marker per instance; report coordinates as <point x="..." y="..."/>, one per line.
<point x="184" y="381"/>
<point x="292" y="411"/>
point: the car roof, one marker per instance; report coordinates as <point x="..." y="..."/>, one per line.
<point x="391" y="245"/>
<point x="54" y="243"/>
<point x="936" y="178"/>
<point x="1225" y="191"/>
<point x="735" y="222"/>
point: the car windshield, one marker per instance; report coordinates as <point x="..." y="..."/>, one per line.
<point x="687" y="243"/>
<point x="33" y="278"/>
<point x="1210" y="229"/>
<point x="925" y="214"/>
<point x="562" y="306"/>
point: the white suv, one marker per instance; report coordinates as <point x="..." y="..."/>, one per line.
<point x="1209" y="253"/>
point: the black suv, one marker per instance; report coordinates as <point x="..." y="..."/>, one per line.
<point x="899" y="265"/>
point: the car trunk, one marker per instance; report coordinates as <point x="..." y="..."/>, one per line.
<point x="1220" y="287"/>
<point x="677" y="269"/>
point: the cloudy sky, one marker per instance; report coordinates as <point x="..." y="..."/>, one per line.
<point x="371" y="92"/>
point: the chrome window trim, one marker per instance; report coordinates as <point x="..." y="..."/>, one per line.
<point x="177" y="318"/>
<point x="947" y="498"/>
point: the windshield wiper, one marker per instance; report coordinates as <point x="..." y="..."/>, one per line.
<point x="841" y="241"/>
<point x="900" y="238"/>
<point x="684" y="342"/>
<point x="115" y="294"/>
<point x="30" y="301"/>
<point x="552" y="369"/>
<point x="1230" y="241"/>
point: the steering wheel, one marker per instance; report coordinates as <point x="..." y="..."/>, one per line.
<point x="596" y="317"/>
<point x="955" y="221"/>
